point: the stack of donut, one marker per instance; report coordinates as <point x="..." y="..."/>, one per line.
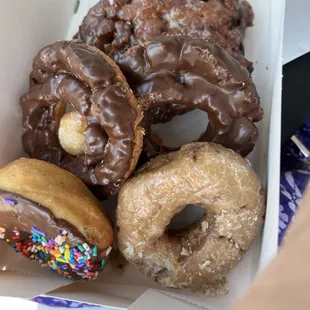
<point x="89" y="111"/>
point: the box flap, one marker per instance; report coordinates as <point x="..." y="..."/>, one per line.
<point x="116" y="296"/>
<point x="154" y="300"/>
<point x="15" y="284"/>
<point x="270" y="232"/>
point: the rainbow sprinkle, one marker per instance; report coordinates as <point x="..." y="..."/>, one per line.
<point x="37" y="232"/>
<point x="55" y="254"/>
<point x="9" y="201"/>
<point x="2" y="233"/>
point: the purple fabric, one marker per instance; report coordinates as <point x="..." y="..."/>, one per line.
<point x="62" y="303"/>
<point x="295" y="174"/>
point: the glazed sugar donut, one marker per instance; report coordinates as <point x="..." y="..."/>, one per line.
<point x="116" y="25"/>
<point x="205" y="174"/>
<point x="49" y="215"/>
<point x="175" y="74"/>
<point x="100" y="142"/>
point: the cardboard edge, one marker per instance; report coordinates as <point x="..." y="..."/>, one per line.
<point x="270" y="245"/>
<point x="154" y="300"/>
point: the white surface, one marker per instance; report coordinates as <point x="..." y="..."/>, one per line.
<point x="296" y="30"/>
<point x="8" y="303"/>
<point x="25" y="30"/>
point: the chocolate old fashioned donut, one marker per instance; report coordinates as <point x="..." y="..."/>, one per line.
<point x="49" y="216"/>
<point x="100" y="141"/>
<point x="174" y="74"/>
<point x="199" y="257"/>
<point x="116" y="25"/>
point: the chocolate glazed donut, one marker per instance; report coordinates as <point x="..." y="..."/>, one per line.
<point x="113" y="26"/>
<point x="175" y="74"/>
<point x="49" y="216"/>
<point x="101" y="141"/>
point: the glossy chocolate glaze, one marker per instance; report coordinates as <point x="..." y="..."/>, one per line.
<point x="24" y="214"/>
<point x="173" y="75"/>
<point x="72" y="73"/>
<point x="116" y="25"/>
<point x="17" y="212"/>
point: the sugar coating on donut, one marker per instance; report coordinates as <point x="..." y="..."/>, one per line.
<point x="71" y="133"/>
<point x="199" y="257"/>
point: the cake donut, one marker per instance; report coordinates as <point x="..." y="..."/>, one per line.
<point x="100" y="141"/>
<point x="49" y="216"/>
<point x="116" y="25"/>
<point x="205" y="174"/>
<point x="174" y="74"/>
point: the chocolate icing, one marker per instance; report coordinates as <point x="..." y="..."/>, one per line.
<point x="72" y="73"/>
<point x="175" y="74"/>
<point x="116" y="25"/>
<point x="25" y="213"/>
<point x="17" y="212"/>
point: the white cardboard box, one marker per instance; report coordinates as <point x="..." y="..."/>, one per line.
<point x="26" y="26"/>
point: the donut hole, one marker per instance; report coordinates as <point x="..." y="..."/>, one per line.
<point x="70" y="108"/>
<point x="189" y="215"/>
<point x="71" y="133"/>
<point x="182" y="129"/>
